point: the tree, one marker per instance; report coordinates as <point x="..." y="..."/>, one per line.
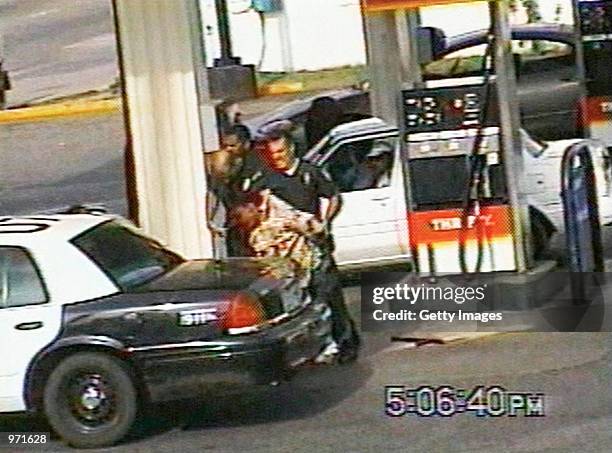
<point x="558" y="12"/>
<point x="532" y="8"/>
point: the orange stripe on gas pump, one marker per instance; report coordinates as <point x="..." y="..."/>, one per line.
<point x="598" y="109"/>
<point x="436" y="238"/>
<point x="446" y="225"/>
<point x="387" y="5"/>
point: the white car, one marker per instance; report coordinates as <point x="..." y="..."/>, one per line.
<point x="371" y="228"/>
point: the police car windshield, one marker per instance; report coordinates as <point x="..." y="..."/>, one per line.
<point x="128" y="258"/>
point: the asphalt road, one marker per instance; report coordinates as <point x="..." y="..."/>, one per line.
<point x="340" y="409"/>
<point x="54" y="48"/>
<point x="54" y="164"/>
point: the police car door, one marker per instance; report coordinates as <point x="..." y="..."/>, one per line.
<point x="371" y="226"/>
<point x="28" y="322"/>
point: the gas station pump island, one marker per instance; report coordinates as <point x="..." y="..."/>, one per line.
<point x="462" y="151"/>
<point x="462" y="158"/>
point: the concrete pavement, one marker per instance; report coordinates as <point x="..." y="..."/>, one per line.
<point x="341" y="409"/>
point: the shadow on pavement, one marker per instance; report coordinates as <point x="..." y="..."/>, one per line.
<point x="312" y="391"/>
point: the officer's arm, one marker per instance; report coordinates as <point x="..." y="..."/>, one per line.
<point x="211" y="205"/>
<point x="327" y="189"/>
<point x="333" y="208"/>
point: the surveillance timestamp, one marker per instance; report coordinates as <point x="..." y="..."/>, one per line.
<point x="447" y="401"/>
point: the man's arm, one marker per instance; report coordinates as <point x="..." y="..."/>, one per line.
<point x="332" y="209"/>
<point x="212" y="205"/>
<point x="329" y="192"/>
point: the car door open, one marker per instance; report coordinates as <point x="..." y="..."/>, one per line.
<point x="371" y="226"/>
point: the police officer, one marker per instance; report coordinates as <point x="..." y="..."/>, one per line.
<point x="304" y="186"/>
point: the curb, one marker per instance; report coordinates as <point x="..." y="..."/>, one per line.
<point x="280" y="88"/>
<point x="56" y="110"/>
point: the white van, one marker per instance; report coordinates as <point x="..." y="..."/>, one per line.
<point x="371" y="228"/>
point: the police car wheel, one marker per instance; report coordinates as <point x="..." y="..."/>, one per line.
<point x="90" y="400"/>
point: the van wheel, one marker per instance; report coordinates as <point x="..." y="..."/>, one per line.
<point x="90" y="400"/>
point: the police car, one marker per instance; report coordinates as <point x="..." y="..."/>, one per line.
<point x="97" y="320"/>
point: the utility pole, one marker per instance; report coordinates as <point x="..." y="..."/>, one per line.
<point x="225" y="36"/>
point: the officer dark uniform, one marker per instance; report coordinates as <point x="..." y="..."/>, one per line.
<point x="302" y="186"/>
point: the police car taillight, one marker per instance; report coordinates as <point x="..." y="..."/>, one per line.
<point x="243" y="313"/>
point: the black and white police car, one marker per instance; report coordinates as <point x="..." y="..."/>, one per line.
<point x="97" y="320"/>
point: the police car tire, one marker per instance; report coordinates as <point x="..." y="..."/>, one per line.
<point x="66" y="425"/>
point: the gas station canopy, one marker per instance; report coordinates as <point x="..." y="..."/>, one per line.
<point x="387" y="5"/>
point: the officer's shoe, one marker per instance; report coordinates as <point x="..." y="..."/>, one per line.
<point x="349" y="351"/>
<point x="329" y="354"/>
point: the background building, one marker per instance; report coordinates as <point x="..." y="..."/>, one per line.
<point x="308" y="35"/>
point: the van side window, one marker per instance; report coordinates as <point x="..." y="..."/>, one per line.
<point x="363" y="164"/>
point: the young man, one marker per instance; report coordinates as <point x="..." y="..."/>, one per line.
<point x="304" y="187"/>
<point x="225" y="168"/>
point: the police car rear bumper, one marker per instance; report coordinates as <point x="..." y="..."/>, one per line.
<point x="182" y="371"/>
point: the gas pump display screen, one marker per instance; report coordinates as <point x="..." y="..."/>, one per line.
<point x="596" y="19"/>
<point x="449" y="108"/>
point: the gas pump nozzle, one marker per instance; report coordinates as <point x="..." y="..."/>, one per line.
<point x="475" y="188"/>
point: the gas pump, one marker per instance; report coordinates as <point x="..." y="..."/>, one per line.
<point x="594" y="30"/>
<point x="466" y="194"/>
<point x="460" y="218"/>
<point x="463" y="162"/>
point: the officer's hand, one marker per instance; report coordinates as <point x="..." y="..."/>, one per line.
<point x="315" y="227"/>
<point x="294" y="224"/>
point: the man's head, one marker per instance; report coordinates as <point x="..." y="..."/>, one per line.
<point x="278" y="150"/>
<point x="249" y="214"/>
<point x="380" y="157"/>
<point x="236" y="140"/>
<point x="220" y="164"/>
